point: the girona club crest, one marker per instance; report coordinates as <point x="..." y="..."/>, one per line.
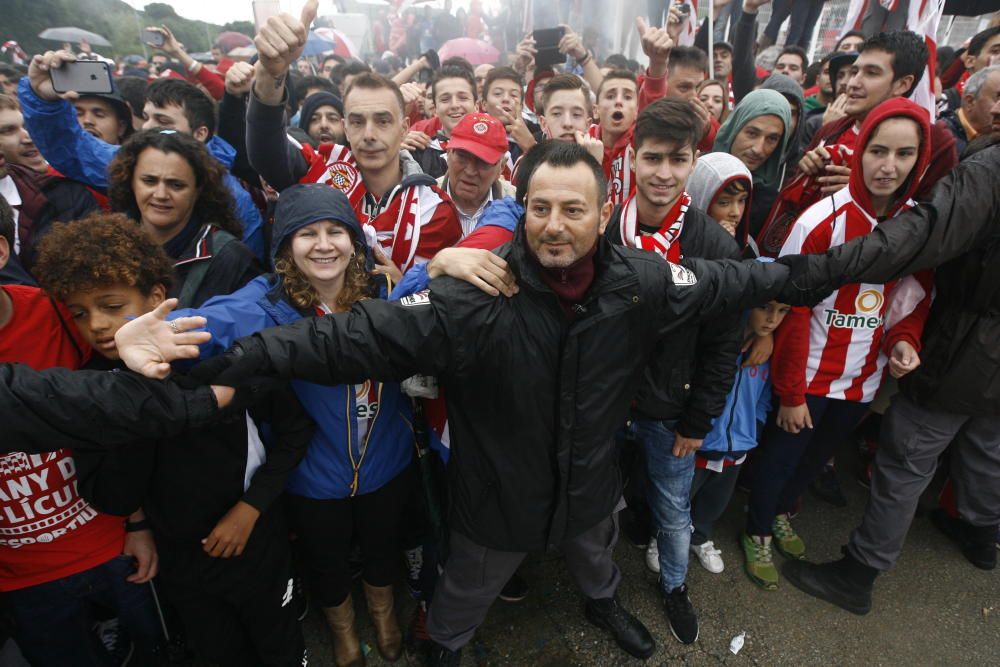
<point x="342" y="175"/>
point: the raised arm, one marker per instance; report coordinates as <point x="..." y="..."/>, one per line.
<point x="43" y="411"/>
<point x="279" y="44"/>
<point x="51" y="121"/>
<point x="960" y="215"/>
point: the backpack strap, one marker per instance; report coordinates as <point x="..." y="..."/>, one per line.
<point x="217" y="239"/>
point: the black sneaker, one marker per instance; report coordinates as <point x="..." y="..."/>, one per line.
<point x="301" y="597"/>
<point x="439" y="656"/>
<point x="681" y="614"/>
<point x="629" y="633"/>
<point x="515" y="590"/>
<point x="827" y="487"/>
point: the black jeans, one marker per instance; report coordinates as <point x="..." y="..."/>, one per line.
<point x="788" y="462"/>
<point x="327" y="529"/>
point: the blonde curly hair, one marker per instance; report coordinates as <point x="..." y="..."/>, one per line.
<point x="357" y="280"/>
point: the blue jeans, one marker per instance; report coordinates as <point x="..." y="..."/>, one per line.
<point x="669" y="493"/>
<point x="53" y="620"/>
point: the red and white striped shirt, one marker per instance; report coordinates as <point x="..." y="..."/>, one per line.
<point x="837" y="348"/>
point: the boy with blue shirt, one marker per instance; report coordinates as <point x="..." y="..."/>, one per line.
<point x="734" y="433"/>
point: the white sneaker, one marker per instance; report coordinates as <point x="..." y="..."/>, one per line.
<point x="653" y="556"/>
<point x="710" y="557"/>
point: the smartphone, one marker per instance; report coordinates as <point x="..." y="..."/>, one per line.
<point x="152" y="37"/>
<point x="263" y="10"/>
<point x="685" y="11"/>
<point x="547" y="47"/>
<point x="83" y="76"/>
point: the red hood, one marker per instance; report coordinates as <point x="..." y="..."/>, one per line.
<point x="894" y="108"/>
<point x="529" y="94"/>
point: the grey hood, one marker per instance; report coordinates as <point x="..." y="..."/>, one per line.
<point x="711" y="172"/>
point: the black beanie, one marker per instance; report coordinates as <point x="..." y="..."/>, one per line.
<point x="315" y="101"/>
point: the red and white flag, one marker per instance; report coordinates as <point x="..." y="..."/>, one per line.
<point x="923" y="18"/>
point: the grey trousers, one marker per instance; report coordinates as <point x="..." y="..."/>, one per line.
<point x="912" y="438"/>
<point x="474" y="575"/>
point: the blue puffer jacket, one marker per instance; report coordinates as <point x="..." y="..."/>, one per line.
<point x="85" y="158"/>
<point x="748" y="402"/>
<point x="326" y="471"/>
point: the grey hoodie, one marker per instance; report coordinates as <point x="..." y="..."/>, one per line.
<point x="711" y="172"/>
<point x="791" y="90"/>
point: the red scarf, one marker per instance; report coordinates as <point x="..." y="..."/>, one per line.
<point x="397" y="221"/>
<point x="618" y="165"/>
<point x="665" y="242"/>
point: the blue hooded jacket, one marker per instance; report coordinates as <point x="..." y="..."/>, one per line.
<point x="748" y="403"/>
<point x="326" y="471"/>
<point x="85" y="158"/>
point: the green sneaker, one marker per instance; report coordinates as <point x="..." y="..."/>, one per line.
<point x="786" y="540"/>
<point x="759" y="565"/>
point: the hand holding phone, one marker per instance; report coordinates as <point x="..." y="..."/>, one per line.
<point x="83" y="77"/>
<point x="152" y="37"/>
<point x="547" y="47"/>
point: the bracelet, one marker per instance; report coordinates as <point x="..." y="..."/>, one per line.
<point x="585" y="59"/>
<point x="136" y="526"/>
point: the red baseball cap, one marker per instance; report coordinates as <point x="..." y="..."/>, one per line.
<point x="480" y="134"/>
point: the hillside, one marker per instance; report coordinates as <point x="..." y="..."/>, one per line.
<point x="115" y="20"/>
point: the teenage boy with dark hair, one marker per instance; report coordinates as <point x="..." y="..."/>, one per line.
<point x="503" y="98"/>
<point x="685" y="385"/>
<point x="793" y="62"/>
<point x="171" y="104"/>
<point x="889" y="65"/>
<point x="983" y="47"/>
<point x="454" y="93"/>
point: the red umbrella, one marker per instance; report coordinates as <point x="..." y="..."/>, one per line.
<point x="476" y="51"/>
<point x="230" y="40"/>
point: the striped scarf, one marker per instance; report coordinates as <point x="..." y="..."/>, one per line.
<point x="665" y="241"/>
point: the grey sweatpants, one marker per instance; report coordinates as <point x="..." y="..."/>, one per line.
<point x="912" y="438"/>
<point x="474" y="575"/>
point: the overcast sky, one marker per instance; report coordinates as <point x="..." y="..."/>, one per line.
<point x="223" y="11"/>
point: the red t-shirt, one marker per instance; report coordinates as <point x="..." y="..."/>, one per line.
<point x="47" y="531"/>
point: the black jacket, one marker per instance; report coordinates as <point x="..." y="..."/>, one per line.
<point x="186" y="482"/>
<point x="42" y="411"/>
<point x="957" y="230"/>
<point x="692" y="370"/>
<point x="230" y="266"/>
<point x="45" y="199"/>
<point x="533" y="399"/>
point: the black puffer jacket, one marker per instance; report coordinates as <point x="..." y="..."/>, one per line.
<point x="533" y="399"/>
<point x="958" y="231"/>
<point x="692" y="370"/>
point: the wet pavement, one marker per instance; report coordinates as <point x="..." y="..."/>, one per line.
<point x="933" y="609"/>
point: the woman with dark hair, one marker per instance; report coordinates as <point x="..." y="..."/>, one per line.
<point x="170" y="184"/>
<point x="353" y="484"/>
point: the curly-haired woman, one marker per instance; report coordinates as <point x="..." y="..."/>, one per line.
<point x="353" y="483"/>
<point x="172" y="186"/>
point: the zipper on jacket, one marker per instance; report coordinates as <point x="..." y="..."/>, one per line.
<point x="732" y="410"/>
<point x="362" y="447"/>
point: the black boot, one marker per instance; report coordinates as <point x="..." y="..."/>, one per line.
<point x="978" y="543"/>
<point x="846" y="583"/>
<point x="630" y="634"/>
<point x="439" y="656"/>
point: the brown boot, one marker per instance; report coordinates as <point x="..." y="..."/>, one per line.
<point x="383" y="614"/>
<point x="346" y="649"/>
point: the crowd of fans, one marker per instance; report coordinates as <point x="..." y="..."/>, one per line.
<point x="542" y="387"/>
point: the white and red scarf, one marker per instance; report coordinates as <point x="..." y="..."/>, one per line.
<point x="397" y="220"/>
<point x="666" y="241"/>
